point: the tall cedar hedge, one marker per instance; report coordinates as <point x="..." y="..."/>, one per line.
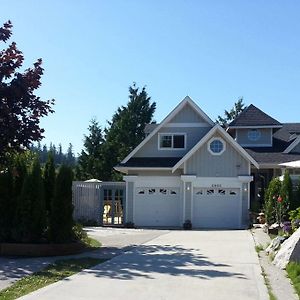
<point x="61" y="220"/>
<point x="6" y="205"/>
<point x="31" y="213"/>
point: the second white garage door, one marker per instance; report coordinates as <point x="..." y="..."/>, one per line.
<point x="216" y="208"/>
<point x="155" y="206"/>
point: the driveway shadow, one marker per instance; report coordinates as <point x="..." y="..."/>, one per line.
<point x="145" y="260"/>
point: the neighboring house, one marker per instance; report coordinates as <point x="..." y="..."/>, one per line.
<point x="189" y="168"/>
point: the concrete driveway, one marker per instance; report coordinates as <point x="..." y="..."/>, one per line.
<point x="206" y="265"/>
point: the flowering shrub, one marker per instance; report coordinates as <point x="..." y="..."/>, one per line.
<point x="295" y="218"/>
<point x="287" y="228"/>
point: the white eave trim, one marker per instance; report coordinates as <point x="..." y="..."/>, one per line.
<point x="292" y="145"/>
<point x="186" y="100"/>
<point x="216" y="128"/>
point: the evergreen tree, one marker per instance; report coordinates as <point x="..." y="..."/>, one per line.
<point x="272" y="206"/>
<point x="229" y="116"/>
<point x="90" y="161"/>
<point x="287" y="193"/>
<point x="70" y="156"/>
<point x="31" y="213"/>
<point x="49" y="181"/>
<point x="61" y="221"/>
<point x="60" y="156"/>
<point x="7" y="205"/>
<point x="126" y="129"/>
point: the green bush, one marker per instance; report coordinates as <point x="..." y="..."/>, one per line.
<point x="49" y="181"/>
<point x="31" y="213"/>
<point x="271" y="206"/>
<point x="7" y="205"/>
<point x="286" y="193"/>
<point x="61" y="217"/>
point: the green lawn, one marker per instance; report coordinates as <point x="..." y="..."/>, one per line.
<point x="52" y="273"/>
<point x="293" y="270"/>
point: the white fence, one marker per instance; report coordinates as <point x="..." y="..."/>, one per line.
<point x="86" y="200"/>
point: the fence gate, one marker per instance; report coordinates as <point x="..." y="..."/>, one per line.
<point x="100" y="202"/>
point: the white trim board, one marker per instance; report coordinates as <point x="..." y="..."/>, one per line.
<point x="292" y="145"/>
<point x="226" y="136"/>
<point x="179" y="125"/>
<point x="186" y="100"/>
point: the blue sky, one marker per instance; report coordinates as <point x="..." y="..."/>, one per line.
<point x="213" y="51"/>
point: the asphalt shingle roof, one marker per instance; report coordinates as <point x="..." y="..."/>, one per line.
<point x="253" y="116"/>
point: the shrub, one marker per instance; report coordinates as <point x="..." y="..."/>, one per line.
<point x="271" y="206"/>
<point x="31" y="214"/>
<point x="7" y="205"/>
<point x="61" y="217"/>
<point x="295" y="218"/>
<point x="49" y="181"/>
<point x="286" y="192"/>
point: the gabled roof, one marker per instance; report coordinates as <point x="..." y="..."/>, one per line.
<point x="292" y="145"/>
<point x="225" y="135"/>
<point x="186" y="101"/>
<point x="254" y="117"/>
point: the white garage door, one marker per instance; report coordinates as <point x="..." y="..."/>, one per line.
<point x="216" y="208"/>
<point x="156" y="206"/>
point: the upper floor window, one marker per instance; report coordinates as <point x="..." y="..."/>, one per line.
<point x="171" y="141"/>
<point x="254" y="135"/>
<point x="216" y="146"/>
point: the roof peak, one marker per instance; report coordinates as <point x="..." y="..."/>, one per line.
<point x="253" y="116"/>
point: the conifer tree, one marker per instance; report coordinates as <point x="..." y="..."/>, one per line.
<point x="61" y="220"/>
<point x="31" y="213"/>
<point x="7" y="207"/>
<point x="49" y="181"/>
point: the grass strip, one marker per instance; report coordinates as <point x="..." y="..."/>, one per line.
<point x="52" y="273"/>
<point x="268" y="285"/>
<point x="293" y="271"/>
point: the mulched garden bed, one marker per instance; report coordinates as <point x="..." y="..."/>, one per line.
<point x="32" y="250"/>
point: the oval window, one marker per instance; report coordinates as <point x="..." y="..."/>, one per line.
<point x="254" y="135"/>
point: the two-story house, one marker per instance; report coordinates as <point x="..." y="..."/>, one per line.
<point x="189" y="168"/>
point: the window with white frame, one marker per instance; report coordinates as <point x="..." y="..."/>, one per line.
<point x="216" y="146"/>
<point x="172" y="141"/>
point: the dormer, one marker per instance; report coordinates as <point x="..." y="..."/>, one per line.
<point x="253" y="128"/>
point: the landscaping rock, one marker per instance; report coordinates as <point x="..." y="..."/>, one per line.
<point x="275" y="244"/>
<point x="289" y="251"/>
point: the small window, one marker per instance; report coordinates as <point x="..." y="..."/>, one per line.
<point x="171" y="141"/>
<point x="216" y="146"/>
<point x="178" y="141"/>
<point x="151" y="191"/>
<point x="199" y="192"/>
<point x="172" y="192"/>
<point x="254" y="135"/>
<point x="141" y="192"/>
<point x="163" y="191"/>
<point x="232" y="193"/>
<point x="166" y="141"/>
<point x="210" y="192"/>
<point x="221" y="192"/>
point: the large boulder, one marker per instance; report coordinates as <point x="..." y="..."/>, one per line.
<point x="289" y="251"/>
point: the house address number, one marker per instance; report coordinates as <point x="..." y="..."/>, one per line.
<point x="216" y="185"/>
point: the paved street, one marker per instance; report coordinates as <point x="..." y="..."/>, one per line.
<point x="175" y="265"/>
